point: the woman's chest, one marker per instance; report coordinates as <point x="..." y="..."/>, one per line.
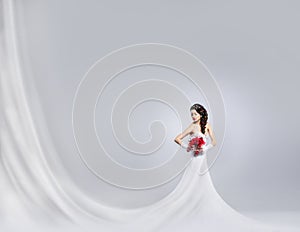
<point x="197" y="129"/>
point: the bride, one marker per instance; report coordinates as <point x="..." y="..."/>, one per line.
<point x="198" y="128"/>
<point x="194" y="204"/>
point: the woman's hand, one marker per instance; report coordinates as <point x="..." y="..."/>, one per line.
<point x="184" y="145"/>
<point x="200" y="151"/>
<point x="207" y="147"/>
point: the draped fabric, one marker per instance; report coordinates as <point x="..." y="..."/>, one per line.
<point x="31" y="191"/>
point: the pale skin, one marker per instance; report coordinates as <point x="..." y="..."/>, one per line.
<point x="195" y="127"/>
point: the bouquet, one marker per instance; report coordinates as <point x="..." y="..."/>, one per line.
<point x="196" y="144"/>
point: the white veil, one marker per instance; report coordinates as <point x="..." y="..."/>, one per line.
<point x="32" y="196"/>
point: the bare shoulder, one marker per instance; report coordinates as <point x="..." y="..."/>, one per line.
<point x="208" y="126"/>
<point x="190" y="127"/>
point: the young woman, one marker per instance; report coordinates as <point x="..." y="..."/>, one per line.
<point x="198" y="128"/>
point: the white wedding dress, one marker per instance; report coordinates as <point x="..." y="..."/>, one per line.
<point x="194" y="205"/>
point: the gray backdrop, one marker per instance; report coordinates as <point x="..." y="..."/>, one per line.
<point x="250" y="47"/>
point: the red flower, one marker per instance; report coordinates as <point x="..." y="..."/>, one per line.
<point x="196" y="145"/>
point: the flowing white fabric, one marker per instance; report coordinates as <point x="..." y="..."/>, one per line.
<point x="31" y="195"/>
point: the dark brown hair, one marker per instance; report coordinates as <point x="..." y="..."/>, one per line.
<point x="204" y="115"/>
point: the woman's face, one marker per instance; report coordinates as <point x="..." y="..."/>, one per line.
<point x="195" y="115"/>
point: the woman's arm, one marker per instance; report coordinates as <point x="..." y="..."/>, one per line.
<point x="211" y="134"/>
<point x="179" y="137"/>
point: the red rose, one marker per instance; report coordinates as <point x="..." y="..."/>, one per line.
<point x="196" y="144"/>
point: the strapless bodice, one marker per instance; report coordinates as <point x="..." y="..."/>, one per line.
<point x="198" y="134"/>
